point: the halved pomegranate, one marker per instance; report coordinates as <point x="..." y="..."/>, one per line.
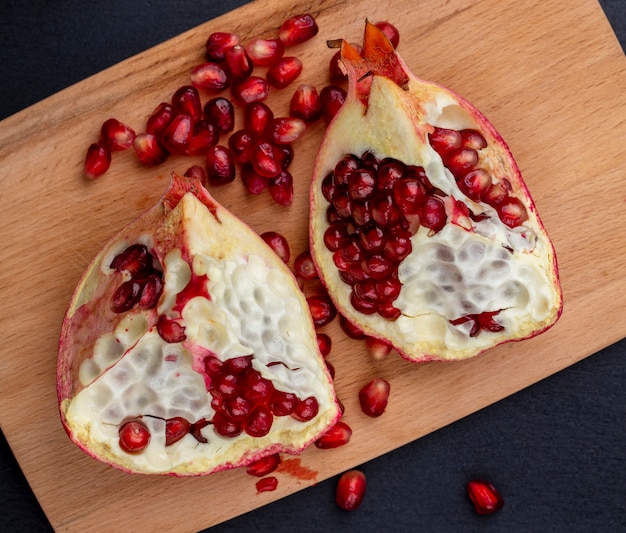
<point x="421" y="226"/>
<point x="189" y="348"/>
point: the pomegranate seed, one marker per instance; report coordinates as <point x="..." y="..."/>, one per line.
<point x="283" y="403"/>
<point x="226" y="426"/>
<point x="387" y="310"/>
<point x="159" y="119"/>
<point x="433" y="214"/>
<point x="475" y="184"/>
<point x="409" y="195"/>
<point x="298" y="29"/>
<point x="175" y="429"/>
<point x="512" y="212"/>
<point x="198" y="172"/>
<point x="363" y="305"/>
<point x="331" y="100"/>
<point x="204" y="135"/>
<point x="220" y="112"/>
<point x="134" y="436"/>
<point x="374" y="396"/>
<point x="472" y="139"/>
<point x="305" y="103"/>
<point x="281" y="188"/>
<point x="186" y="101"/>
<point x="218" y="43"/>
<point x="97" y="161"/>
<point x="149" y="150"/>
<point x="239" y="64"/>
<point x="267" y="484"/>
<point x="484" y="496"/>
<point x="134" y="259"/>
<point x="220" y="165"/>
<point x="252" y="180"/>
<point x="287" y="130"/>
<point x="324" y="343"/>
<point x="350" y="329"/>
<point x="151" y="292"/>
<point x="170" y="330"/>
<point x="304" y="267"/>
<point x="336" y="436"/>
<point x="351" y="490"/>
<point x="461" y="161"/>
<point x="265" y="159"/>
<point x="239" y="365"/>
<point x="322" y="309"/>
<point x="252" y="89"/>
<point x="361" y="184"/>
<point x="125" y="296"/>
<point x="209" y="77"/>
<point x="257" y="118"/>
<point x="306" y="409"/>
<point x="497" y="193"/>
<point x="240" y="144"/>
<point x="390" y="31"/>
<point x="265" y="52"/>
<point x="115" y="135"/>
<point x="378" y="349"/>
<point x="284" y="154"/>
<point x="238" y="408"/>
<point x="259" y="422"/>
<point x="444" y="140"/>
<point x="264" y="466"/>
<point x="282" y="73"/>
<point x="278" y="243"/>
<point x="335" y="72"/>
<point x="177" y="135"/>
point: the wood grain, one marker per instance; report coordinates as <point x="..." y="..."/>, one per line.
<point x="550" y="77"/>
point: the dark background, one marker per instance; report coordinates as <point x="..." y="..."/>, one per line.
<point x="555" y="450"/>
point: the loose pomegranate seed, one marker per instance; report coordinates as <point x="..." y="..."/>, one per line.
<point x="390" y="31"/>
<point x="377" y="348"/>
<point x="204" y="135"/>
<point x="252" y="89"/>
<point x="286" y="130"/>
<point x="335" y="72"/>
<point x="149" y="150"/>
<point x="305" y="103"/>
<point x="175" y="429"/>
<point x="350" y="329"/>
<point x="304" y="267"/>
<point x="198" y="172"/>
<point x="322" y="309"/>
<point x="239" y="64"/>
<point x="298" y="29"/>
<point x="125" y="296"/>
<point x="116" y="135"/>
<point x="240" y="144"/>
<point x="324" y="343"/>
<point x="210" y="77"/>
<point x="512" y="212"/>
<point x="278" y="243"/>
<point x="281" y="188"/>
<point x="220" y="112"/>
<point x="257" y="118"/>
<point x="134" y="436"/>
<point x="265" y="159"/>
<point x="252" y="180"/>
<point x="97" y="160"/>
<point x="264" y="466"/>
<point x="306" y="409"/>
<point x="351" y="490"/>
<point x="265" y="52"/>
<point x="284" y="155"/>
<point x="220" y="165"/>
<point x="484" y="496"/>
<point x="331" y="100"/>
<point x="177" y="135"/>
<point x="218" y="43"/>
<point x="374" y="396"/>
<point x="186" y="101"/>
<point x="282" y="73"/>
<point x="336" y="436"/>
<point x="267" y="484"/>
<point x="159" y="119"/>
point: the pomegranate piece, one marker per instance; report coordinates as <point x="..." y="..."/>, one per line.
<point x="265" y="52"/>
<point x="278" y="243"/>
<point x="284" y="71"/>
<point x="484" y="496"/>
<point x="219" y="43"/>
<point x="210" y="77"/>
<point x="134" y="436"/>
<point x="337" y="436"/>
<point x="374" y="396"/>
<point x="252" y="89"/>
<point x="351" y="490"/>
<point x="97" y="160"/>
<point x="264" y="466"/>
<point x="116" y="135"/>
<point x="267" y="484"/>
<point x="149" y="149"/>
<point x="306" y="103"/>
<point x="220" y="166"/>
<point x="298" y="29"/>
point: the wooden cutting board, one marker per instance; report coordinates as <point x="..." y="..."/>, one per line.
<point x="551" y="77"/>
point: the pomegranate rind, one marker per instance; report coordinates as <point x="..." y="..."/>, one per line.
<point x="390" y="112"/>
<point x="190" y="234"/>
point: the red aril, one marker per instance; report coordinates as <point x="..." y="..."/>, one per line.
<point x="177" y="135"/>
<point x="351" y="490"/>
<point x="390" y="31"/>
<point x="265" y="159"/>
<point x="286" y="130"/>
<point x="220" y="165"/>
<point x="253" y="182"/>
<point x="197" y="172"/>
<point x="97" y="160"/>
<point x="238" y="62"/>
<point x="322" y="309"/>
<point x="219" y="43"/>
<point x="298" y="29"/>
<point x="116" y="135"/>
<point x="281" y="188"/>
<point x="484" y="496"/>
<point x="278" y="243"/>
<point x="186" y="101"/>
<point x="374" y="396"/>
<point x="252" y="89"/>
<point x="265" y="52"/>
<point x="175" y="429"/>
<point x="305" y="103"/>
<point x="240" y="143"/>
<point x="331" y="100"/>
<point x="337" y="436"/>
<point x="304" y="267"/>
<point x="264" y="466"/>
<point x="134" y="436"/>
<point x="220" y="112"/>
<point x="267" y="484"/>
<point x="204" y="135"/>
<point x="284" y="71"/>
<point x="257" y="118"/>
<point x="159" y="119"/>
<point x="149" y="149"/>
<point x="324" y="342"/>
<point x="210" y="77"/>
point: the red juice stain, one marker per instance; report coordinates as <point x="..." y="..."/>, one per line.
<point x="197" y="286"/>
<point x="294" y="468"/>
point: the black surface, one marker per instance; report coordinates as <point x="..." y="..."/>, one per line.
<point x="555" y="450"/>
